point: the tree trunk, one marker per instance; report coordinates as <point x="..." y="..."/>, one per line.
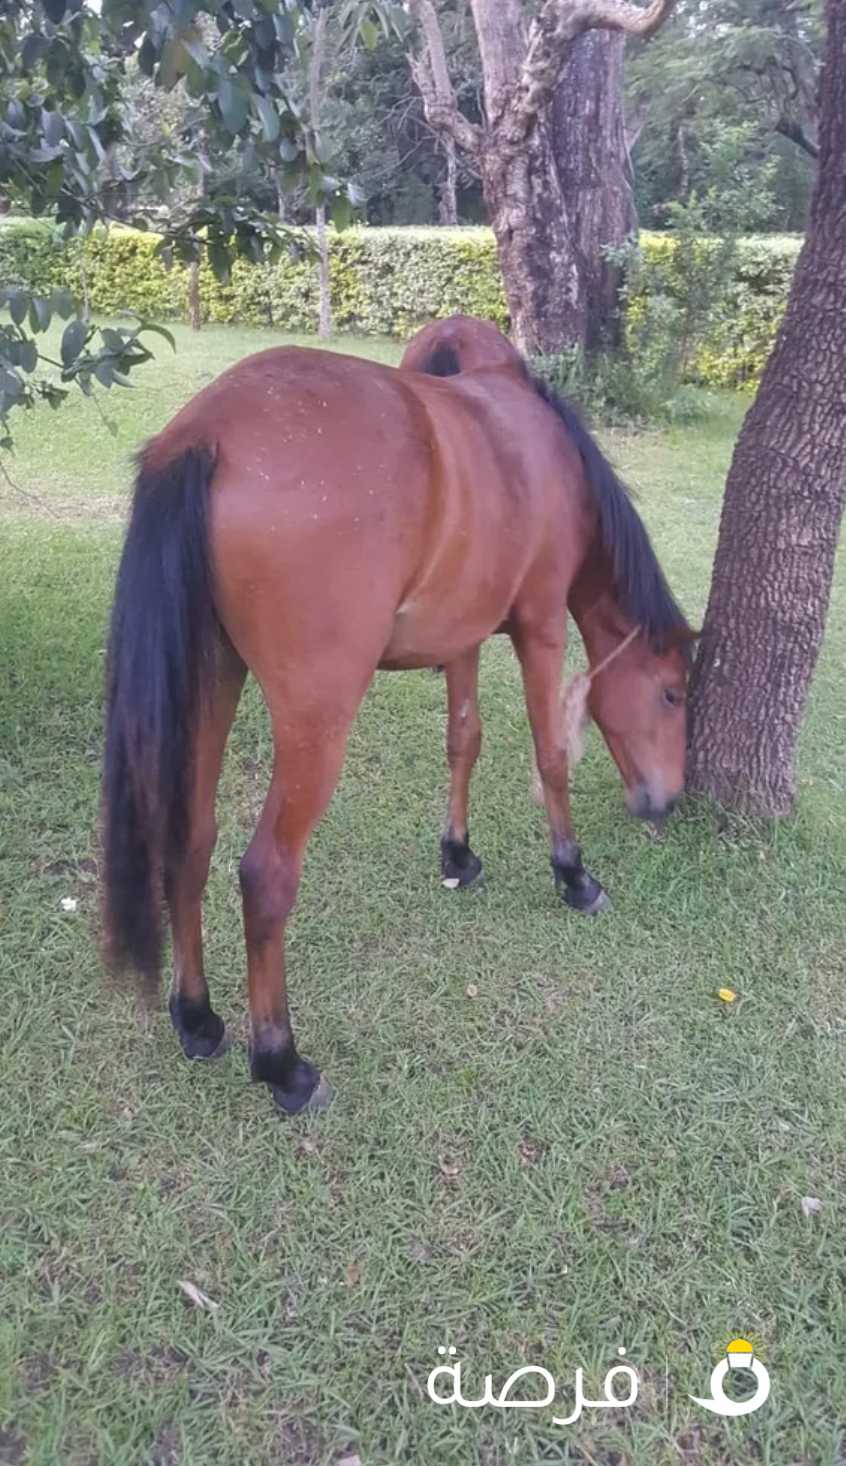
<point x="537" y="252"/>
<point x="782" y="511"/>
<point x="542" y="186"/>
<point x="324" y="329"/>
<point x="595" y="175"/>
<point x="195" y="314"/>
<point x="448" y="193"/>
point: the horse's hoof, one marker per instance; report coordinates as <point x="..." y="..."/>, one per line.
<point x="223" y="1047"/>
<point x="460" y="880"/>
<point x="459" y="866"/>
<point x="200" y="1030"/>
<point x="297" y="1103"/>
<point x="600" y="902"/>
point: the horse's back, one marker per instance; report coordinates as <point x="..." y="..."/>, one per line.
<point x="360" y="505"/>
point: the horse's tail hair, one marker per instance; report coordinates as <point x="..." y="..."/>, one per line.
<point x="161" y="665"/>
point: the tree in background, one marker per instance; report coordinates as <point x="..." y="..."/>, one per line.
<point x="748" y="64"/>
<point x="782" y="511"/>
<point x="551" y="223"/>
<point x="63" y="117"/>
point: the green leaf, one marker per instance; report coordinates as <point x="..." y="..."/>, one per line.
<point x="18" y="307"/>
<point x="232" y="100"/>
<point x="158" y="331"/>
<point x="147" y="56"/>
<point x="113" y="339"/>
<point x="62" y="303"/>
<point x="28" y="355"/>
<point x="268" y="117"/>
<point x="104" y="373"/>
<point x="73" y="339"/>
<point x="53" y="127"/>
<point x="369" y="33"/>
<point x="219" y="259"/>
<point x="39" y="313"/>
<point x="32" y="50"/>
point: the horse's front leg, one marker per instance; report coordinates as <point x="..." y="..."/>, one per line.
<point x="459" y="866"/>
<point x="541" y="657"/>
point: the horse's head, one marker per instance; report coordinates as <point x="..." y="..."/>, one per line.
<point x="638" y="702"/>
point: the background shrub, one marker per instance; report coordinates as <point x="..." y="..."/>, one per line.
<point x="389" y="281"/>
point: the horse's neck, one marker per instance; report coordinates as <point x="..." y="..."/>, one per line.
<point x="593" y="604"/>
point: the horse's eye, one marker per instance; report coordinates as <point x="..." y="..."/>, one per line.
<point x="672" y="697"/>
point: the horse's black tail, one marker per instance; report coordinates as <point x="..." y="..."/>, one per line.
<point x="162" y="645"/>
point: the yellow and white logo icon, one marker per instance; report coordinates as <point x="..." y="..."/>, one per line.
<point x="740" y="1354"/>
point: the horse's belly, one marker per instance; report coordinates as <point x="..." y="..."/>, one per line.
<point x="427" y="634"/>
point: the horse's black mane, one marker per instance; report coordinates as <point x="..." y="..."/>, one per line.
<point x="442" y="361"/>
<point x="643" y="593"/>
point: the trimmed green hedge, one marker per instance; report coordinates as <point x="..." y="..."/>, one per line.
<point x="384" y="281"/>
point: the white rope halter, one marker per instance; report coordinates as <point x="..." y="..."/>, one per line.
<point x="574" y="713"/>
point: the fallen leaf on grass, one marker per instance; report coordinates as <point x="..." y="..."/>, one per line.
<point x="727" y="995"/>
<point x="197" y="1296"/>
<point x="69" y="903"/>
<point x="353" y="1274"/>
<point x="452" y="883"/>
<point x="529" y="1151"/>
<point x="472" y="990"/>
<point x="449" y="1168"/>
<point x="811" y="1206"/>
<point x="352" y="1460"/>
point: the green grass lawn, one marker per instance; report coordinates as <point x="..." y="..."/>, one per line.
<point x="551" y="1138"/>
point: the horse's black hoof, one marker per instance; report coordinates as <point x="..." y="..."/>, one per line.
<point x="588" y="903"/>
<point x="459" y="866"/>
<point x="299" y="1100"/>
<point x="201" y="1031"/>
<point x="223" y="1048"/>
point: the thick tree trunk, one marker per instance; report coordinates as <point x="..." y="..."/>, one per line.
<point x="562" y="202"/>
<point x="782" y="511"/>
<point x="555" y="188"/>
<point x="537" y="253"/>
<point x="595" y="175"/>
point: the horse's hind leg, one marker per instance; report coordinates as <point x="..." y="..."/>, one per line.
<point x="308" y="754"/>
<point x="459" y="866"/>
<point x="200" y="1030"/>
<point x="541" y="657"/>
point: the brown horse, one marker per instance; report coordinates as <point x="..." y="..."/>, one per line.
<point x="312" y="517"/>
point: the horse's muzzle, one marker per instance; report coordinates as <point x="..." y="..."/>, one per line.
<point x="644" y="805"/>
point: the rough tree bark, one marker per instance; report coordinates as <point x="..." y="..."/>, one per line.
<point x="593" y="161"/>
<point x="782" y="511"/>
<point x="542" y="189"/>
<point x="448" y="192"/>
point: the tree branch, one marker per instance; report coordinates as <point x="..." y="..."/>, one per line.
<point x="553" y="32"/>
<point x="793" y="130"/>
<point x="431" y="74"/>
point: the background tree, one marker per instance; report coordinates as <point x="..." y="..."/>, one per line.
<point x="542" y="251"/>
<point x="749" y="64"/>
<point x="782" y="511"/>
<point x="63" y="116"/>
